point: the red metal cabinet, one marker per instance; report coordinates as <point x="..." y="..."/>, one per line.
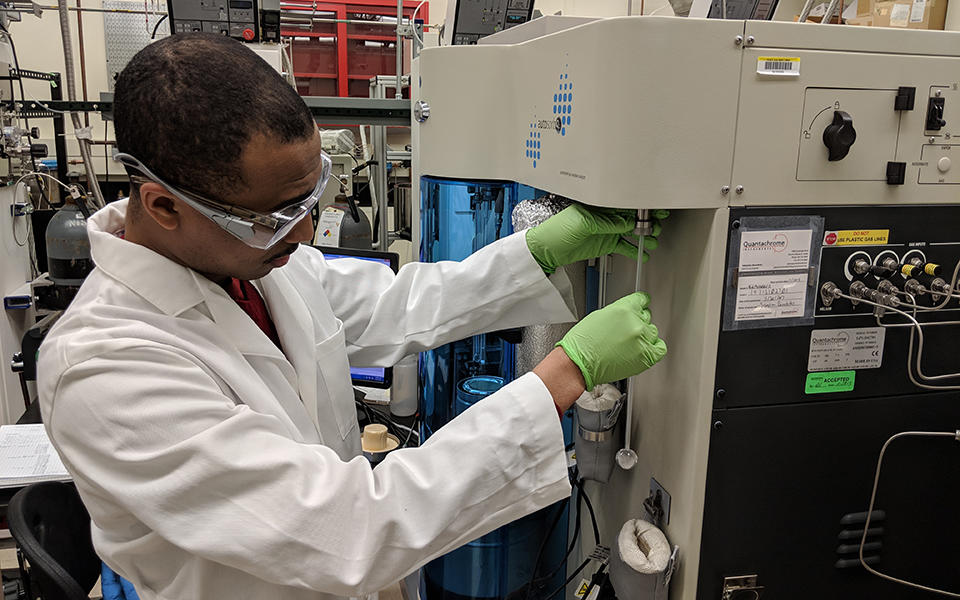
<point x="338" y="59"/>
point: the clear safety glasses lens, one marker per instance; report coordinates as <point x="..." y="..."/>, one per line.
<point x="258" y="230"/>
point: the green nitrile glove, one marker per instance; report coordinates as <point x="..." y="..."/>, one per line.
<point x="581" y="232"/>
<point x="615" y="342"/>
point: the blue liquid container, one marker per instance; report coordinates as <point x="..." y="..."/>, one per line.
<point x="457" y="219"/>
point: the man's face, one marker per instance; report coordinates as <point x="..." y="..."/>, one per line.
<point x="274" y="174"/>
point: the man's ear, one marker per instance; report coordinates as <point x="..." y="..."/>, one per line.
<point x="158" y="204"/>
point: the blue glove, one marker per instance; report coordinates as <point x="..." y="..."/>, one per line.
<point x="114" y="587"/>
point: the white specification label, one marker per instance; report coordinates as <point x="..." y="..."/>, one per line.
<point x="916" y="13"/>
<point x="900" y="15"/>
<point x="771" y="296"/>
<point x="844" y="349"/>
<point x="782" y="250"/>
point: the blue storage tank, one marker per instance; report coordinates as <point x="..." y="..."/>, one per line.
<point x="457" y="219"/>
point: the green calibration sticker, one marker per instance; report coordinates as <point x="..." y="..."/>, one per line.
<point x="833" y="381"/>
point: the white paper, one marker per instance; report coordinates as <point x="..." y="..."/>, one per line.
<point x="375" y="395"/>
<point x="781" y="250"/>
<point x="842" y="349"/>
<point x="781" y="296"/>
<point x="26" y="454"/>
<point x="899" y="15"/>
<point x="916" y="13"/>
<point x="850" y="10"/>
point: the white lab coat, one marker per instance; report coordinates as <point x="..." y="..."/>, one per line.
<point x="216" y="467"/>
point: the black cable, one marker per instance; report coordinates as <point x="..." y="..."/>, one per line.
<point x="23" y="99"/>
<point x="597" y="578"/>
<point x="153" y="35"/>
<point x="539" y="581"/>
<point x="106" y="151"/>
<point x="543" y="544"/>
<point x="366" y="410"/>
<point x="593" y="516"/>
<point x="573" y="576"/>
<point x="573" y="544"/>
<point x="386" y="420"/>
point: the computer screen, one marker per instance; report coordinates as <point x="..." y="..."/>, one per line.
<point x="377" y="377"/>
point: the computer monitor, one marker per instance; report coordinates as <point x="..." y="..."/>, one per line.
<point x="375" y="377"/>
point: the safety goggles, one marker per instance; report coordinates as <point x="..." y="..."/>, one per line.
<point x="255" y="229"/>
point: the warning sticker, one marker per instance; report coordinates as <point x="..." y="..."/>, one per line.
<point x="328" y="228"/>
<point x="854" y="348"/>
<point x="832" y="382"/>
<point x="582" y="589"/>
<point x="781" y="66"/>
<point x="857" y="237"/>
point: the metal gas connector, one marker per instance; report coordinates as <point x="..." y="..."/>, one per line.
<point x="829" y="292"/>
<point x="644" y="223"/>
<point x="859" y="289"/>
<point x="886" y="286"/>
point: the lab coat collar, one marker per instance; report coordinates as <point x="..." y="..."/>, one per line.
<point x="170" y="287"/>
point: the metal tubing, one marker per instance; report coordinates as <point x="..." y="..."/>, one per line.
<point x="831" y="8"/>
<point x="26" y="7"/>
<point x="59" y="130"/>
<point x="92" y="182"/>
<point x="399" y="94"/>
<point x="83" y="63"/>
<point x="805" y="12"/>
<point x="380" y="154"/>
<point x="307" y="15"/>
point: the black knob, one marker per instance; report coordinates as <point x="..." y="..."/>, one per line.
<point x="935" y="120"/>
<point x="839" y="135"/>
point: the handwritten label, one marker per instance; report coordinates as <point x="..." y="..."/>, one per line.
<point x="782" y="250"/>
<point x="781" y="296"/>
<point x="832" y="382"/>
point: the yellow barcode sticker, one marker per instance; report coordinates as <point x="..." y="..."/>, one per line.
<point x="788" y="66"/>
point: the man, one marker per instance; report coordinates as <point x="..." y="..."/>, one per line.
<point x="198" y="387"/>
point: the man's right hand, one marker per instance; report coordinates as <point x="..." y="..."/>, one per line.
<point x="615" y="342"/>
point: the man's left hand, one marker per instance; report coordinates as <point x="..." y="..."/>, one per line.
<point x="581" y="232"/>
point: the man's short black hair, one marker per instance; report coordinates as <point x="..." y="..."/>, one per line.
<point x="187" y="105"/>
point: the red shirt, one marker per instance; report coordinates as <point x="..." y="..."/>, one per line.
<point x="250" y="300"/>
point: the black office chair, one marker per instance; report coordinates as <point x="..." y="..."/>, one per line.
<point x="52" y="530"/>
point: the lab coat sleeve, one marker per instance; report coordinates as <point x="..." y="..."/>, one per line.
<point x="227" y="484"/>
<point x="426" y="305"/>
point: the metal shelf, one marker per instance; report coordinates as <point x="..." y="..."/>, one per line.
<point x="327" y="110"/>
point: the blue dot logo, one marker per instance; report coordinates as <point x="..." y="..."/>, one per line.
<point x="563" y="131"/>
